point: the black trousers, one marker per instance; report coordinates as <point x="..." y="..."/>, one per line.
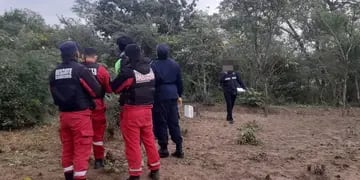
<point x="230" y="98"/>
<point x="166" y="116"/>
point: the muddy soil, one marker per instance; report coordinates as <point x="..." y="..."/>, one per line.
<point x="296" y="144"/>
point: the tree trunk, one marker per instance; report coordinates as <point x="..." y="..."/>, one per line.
<point x="204" y="82"/>
<point x="357" y="89"/>
<point x="266" y="91"/>
<point x="344" y="93"/>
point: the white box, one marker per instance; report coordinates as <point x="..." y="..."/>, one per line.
<point x="189" y="111"/>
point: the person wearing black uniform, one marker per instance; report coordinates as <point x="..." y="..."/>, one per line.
<point x="169" y="89"/>
<point x="230" y="81"/>
<point x="73" y="88"/>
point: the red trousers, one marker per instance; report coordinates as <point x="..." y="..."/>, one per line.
<point x="99" y="125"/>
<point x="76" y="136"/>
<point x="136" y="126"/>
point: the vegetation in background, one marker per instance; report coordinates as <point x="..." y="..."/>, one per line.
<point x="287" y="51"/>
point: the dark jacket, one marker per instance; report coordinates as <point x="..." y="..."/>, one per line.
<point x="230" y="81"/>
<point x="73" y="86"/>
<point x="136" y="80"/>
<point x="169" y="83"/>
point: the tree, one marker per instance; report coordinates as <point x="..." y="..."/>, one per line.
<point x="341" y="27"/>
<point x="257" y="24"/>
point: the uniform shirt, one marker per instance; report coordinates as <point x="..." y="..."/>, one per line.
<point x="230" y="81"/>
<point x="102" y="76"/>
<point x="73" y="86"/>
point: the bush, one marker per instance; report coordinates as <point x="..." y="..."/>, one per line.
<point x="252" y="98"/>
<point x="247" y="135"/>
<point x="24" y="96"/>
<point x="112" y="116"/>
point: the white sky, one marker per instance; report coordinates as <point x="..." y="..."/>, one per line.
<point x="51" y="9"/>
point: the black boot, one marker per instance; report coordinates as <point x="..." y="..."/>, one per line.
<point x="69" y="175"/>
<point x="163" y="151"/>
<point x="154" y="175"/>
<point x="179" y="152"/>
<point x="99" y="163"/>
<point x="230" y="119"/>
<point x="134" y="178"/>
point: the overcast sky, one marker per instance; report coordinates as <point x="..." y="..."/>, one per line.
<point x="51" y="9"/>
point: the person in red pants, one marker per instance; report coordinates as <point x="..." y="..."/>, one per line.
<point x="138" y="81"/>
<point x="98" y="114"/>
<point x="72" y="87"/>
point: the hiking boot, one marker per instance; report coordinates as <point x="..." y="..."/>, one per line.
<point x="134" y="178"/>
<point x="178" y="154"/>
<point x="163" y="152"/>
<point x="69" y="175"/>
<point x="231" y="122"/>
<point x="99" y="163"/>
<point x="154" y="175"/>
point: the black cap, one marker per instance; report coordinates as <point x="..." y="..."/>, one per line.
<point x="123" y="41"/>
<point x="68" y="49"/>
<point x="90" y="52"/>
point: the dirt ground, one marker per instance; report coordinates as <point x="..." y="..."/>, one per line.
<point x="297" y="144"/>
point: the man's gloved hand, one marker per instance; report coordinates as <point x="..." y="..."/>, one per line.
<point x="180" y="101"/>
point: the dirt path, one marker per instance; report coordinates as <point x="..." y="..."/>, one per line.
<point x="293" y="140"/>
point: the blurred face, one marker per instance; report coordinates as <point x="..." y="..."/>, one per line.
<point x="228" y="67"/>
<point x="80" y="57"/>
<point x="92" y="58"/>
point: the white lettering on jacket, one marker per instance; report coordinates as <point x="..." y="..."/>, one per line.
<point x="144" y="78"/>
<point x="93" y="71"/>
<point x="63" y="73"/>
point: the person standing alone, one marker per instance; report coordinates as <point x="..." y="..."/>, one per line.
<point x="98" y="114"/>
<point x="169" y="89"/>
<point x="73" y="88"/>
<point x="231" y="84"/>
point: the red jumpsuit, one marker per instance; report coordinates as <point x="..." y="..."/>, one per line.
<point x="98" y="114"/>
<point x="136" y="118"/>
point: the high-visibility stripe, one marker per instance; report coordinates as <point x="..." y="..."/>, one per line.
<point x="70" y="168"/>
<point x="100" y="143"/>
<point x="155" y="164"/>
<point x="135" y="170"/>
<point x="80" y="173"/>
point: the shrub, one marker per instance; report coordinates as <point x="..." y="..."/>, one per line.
<point x="247" y="135"/>
<point x="252" y="98"/>
<point x="24" y="96"/>
<point x="112" y="116"/>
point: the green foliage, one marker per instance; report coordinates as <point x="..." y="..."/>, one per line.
<point x="26" y="60"/>
<point x="112" y="115"/>
<point x="294" y="51"/>
<point x="247" y="134"/>
<point x="24" y="93"/>
<point x="252" y="98"/>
